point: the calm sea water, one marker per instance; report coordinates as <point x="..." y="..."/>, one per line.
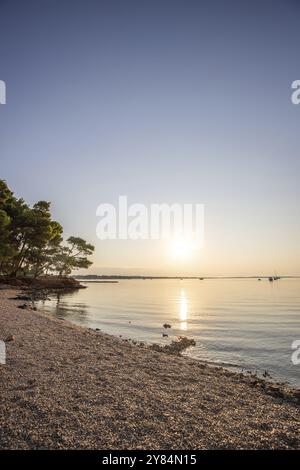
<point x="247" y="324"/>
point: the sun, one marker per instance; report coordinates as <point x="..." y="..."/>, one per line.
<point x="181" y="248"/>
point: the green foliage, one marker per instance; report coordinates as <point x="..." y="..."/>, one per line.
<point x="73" y="256"/>
<point x="31" y="243"/>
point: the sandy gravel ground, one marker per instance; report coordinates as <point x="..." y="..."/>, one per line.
<point x="69" y="387"/>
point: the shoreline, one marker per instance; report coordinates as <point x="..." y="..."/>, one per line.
<point x="263" y="377"/>
<point x="66" y="386"/>
<point x="41" y="283"/>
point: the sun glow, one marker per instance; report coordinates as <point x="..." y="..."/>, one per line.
<point x="182" y="248"/>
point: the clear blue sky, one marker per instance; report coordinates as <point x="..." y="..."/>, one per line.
<point x="163" y="101"/>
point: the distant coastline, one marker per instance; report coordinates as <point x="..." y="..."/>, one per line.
<point x="202" y="278"/>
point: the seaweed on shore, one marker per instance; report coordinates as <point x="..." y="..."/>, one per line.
<point x="175" y="347"/>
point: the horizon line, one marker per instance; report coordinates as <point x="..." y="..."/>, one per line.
<point x="139" y="276"/>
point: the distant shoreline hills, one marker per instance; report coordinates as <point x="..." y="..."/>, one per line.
<point x="103" y="277"/>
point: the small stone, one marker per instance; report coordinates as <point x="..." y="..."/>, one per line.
<point x="9" y="338"/>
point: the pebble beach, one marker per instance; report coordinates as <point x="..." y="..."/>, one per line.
<point x="69" y="387"/>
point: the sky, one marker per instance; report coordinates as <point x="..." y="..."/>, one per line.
<point x="164" y="102"/>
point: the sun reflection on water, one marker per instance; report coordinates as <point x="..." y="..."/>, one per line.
<point x="183" y="312"/>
